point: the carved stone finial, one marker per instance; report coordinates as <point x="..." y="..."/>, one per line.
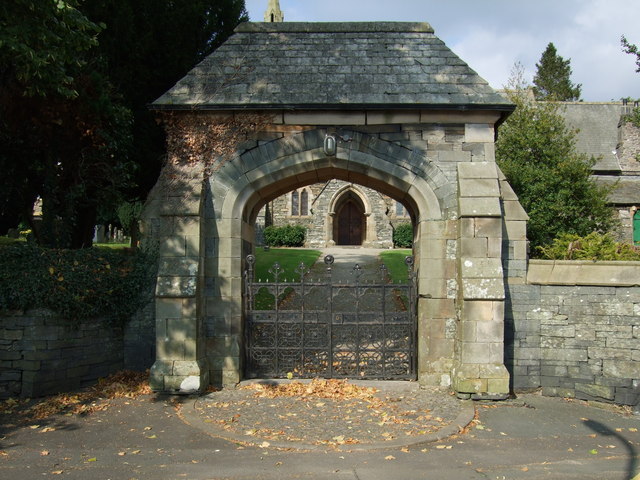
<point x="273" y="13"/>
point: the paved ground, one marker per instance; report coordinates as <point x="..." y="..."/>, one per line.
<point x="159" y="437"/>
<point x="528" y="438"/>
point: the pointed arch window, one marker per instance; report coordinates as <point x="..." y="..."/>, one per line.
<point x="300" y="203"/>
<point x="304" y="203"/>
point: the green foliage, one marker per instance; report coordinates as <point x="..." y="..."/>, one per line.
<point x="634" y="117"/>
<point x="76" y="79"/>
<point x="285" y="236"/>
<point x="595" y="246"/>
<point x="75" y="284"/>
<point x="631" y="49"/>
<point x="553" y="78"/>
<point x="41" y="45"/>
<point x="145" y="48"/>
<point x="403" y="235"/>
<point x="536" y="152"/>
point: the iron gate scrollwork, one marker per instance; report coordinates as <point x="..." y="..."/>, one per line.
<point x="319" y="328"/>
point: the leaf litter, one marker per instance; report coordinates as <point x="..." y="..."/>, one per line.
<point x="327" y="412"/>
<point x="123" y="384"/>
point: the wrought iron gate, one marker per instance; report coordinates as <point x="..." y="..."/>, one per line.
<point x="319" y="328"/>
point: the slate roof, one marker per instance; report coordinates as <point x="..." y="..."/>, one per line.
<point x="597" y="125"/>
<point x="332" y="66"/>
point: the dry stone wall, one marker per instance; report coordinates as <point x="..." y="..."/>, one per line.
<point x="41" y="354"/>
<point x="577" y="341"/>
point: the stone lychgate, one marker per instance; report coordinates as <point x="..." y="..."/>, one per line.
<point x="409" y="119"/>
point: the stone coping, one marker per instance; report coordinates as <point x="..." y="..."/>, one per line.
<point x="584" y="272"/>
<point x="333" y="27"/>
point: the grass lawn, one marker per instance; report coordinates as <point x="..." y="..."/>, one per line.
<point x="288" y="258"/>
<point x="394" y="260"/>
<point x="112" y="246"/>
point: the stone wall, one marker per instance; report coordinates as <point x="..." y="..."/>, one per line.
<point x="573" y="330"/>
<point x="41" y="354"/>
<point x="629" y="150"/>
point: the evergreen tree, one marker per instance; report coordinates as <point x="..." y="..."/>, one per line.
<point x="631" y="49"/>
<point x="536" y="152"/>
<point x="553" y="78"/>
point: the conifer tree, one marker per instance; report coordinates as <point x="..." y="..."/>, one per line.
<point x="553" y="78"/>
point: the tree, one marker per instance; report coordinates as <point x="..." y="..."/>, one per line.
<point x="536" y="152"/>
<point x="64" y="134"/>
<point x="76" y="80"/>
<point x="41" y="44"/>
<point x="631" y="49"/>
<point x="147" y="46"/>
<point x="552" y="80"/>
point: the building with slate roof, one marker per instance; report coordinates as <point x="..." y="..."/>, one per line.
<point x="383" y="106"/>
<point x="603" y="133"/>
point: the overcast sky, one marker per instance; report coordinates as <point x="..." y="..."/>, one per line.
<point x="491" y="35"/>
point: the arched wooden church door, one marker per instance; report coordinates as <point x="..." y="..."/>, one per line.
<point x="351" y="223"/>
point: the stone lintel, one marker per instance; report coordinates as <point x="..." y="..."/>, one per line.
<point x="490" y="380"/>
<point x="176" y="287"/>
<point x="478" y="170"/>
<point x="479" y="132"/>
<point x="179" y="376"/>
<point x="478" y="187"/>
<point x="479" y="207"/>
<point x="483" y="288"/>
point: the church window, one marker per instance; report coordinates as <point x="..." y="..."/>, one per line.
<point x="304" y="203"/>
<point x="300" y="203"/>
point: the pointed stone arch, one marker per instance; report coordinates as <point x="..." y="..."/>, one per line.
<point x="460" y="309"/>
<point x="347" y="200"/>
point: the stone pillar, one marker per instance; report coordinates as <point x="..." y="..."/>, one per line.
<point x="479" y="370"/>
<point x="436" y="300"/>
<point x="180" y="364"/>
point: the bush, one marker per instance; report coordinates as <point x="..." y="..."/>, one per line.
<point x="75" y="284"/>
<point x="403" y="236"/>
<point x="285" y="236"/>
<point x="595" y="246"/>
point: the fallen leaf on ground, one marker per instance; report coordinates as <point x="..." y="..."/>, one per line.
<point x="44" y="453"/>
<point x="389" y="457"/>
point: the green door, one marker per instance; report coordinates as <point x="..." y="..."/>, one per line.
<point x="636" y="228"/>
